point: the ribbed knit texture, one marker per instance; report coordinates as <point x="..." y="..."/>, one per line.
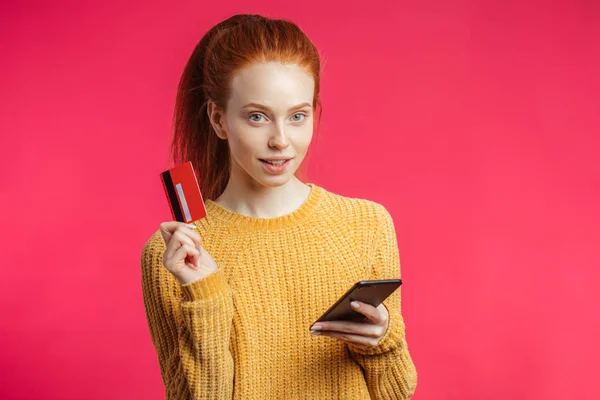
<point x="243" y="331"/>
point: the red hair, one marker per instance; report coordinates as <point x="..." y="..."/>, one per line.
<point x="233" y="44"/>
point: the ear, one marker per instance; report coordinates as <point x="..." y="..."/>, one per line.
<point x="217" y="119"/>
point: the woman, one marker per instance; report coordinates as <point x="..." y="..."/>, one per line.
<point x="231" y="298"/>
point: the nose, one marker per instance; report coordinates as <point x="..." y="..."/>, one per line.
<point x="279" y="139"/>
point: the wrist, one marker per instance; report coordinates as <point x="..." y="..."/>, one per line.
<point x="204" y="287"/>
<point x="191" y="276"/>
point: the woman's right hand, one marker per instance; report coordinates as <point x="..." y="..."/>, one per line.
<point x="184" y="257"/>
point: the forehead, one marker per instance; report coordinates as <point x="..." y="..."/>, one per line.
<point x="273" y="84"/>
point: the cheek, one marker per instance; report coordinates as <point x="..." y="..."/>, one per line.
<point x="303" y="139"/>
<point x="239" y="149"/>
<point x="242" y="145"/>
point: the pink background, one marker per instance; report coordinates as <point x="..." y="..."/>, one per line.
<point x="474" y="122"/>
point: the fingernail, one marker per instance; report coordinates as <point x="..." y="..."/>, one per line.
<point x="354" y="304"/>
<point x="313" y="332"/>
<point x="190" y="226"/>
<point x="316" y="328"/>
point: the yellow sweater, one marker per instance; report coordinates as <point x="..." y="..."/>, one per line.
<point x="243" y="331"/>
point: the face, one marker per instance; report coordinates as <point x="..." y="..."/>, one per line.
<point x="269" y="115"/>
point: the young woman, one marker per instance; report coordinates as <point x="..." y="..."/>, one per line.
<point x="231" y="298"/>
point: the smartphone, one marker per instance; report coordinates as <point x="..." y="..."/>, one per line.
<point x="370" y="292"/>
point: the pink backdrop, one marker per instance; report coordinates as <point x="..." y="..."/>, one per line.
<point x="474" y="122"/>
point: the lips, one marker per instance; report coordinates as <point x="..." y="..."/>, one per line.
<point x="274" y="161"/>
<point x="276" y="168"/>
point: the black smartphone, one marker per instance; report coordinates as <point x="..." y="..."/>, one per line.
<point x="370" y="292"/>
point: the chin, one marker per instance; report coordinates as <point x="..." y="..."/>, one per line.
<point x="269" y="180"/>
<point x="275" y="181"/>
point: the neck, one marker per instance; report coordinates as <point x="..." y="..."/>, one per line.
<point x="259" y="201"/>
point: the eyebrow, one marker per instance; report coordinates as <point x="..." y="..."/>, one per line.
<point x="262" y="107"/>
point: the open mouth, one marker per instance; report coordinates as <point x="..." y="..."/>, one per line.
<point x="277" y="163"/>
<point x="276" y="166"/>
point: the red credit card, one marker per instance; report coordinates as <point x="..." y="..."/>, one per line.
<point x="183" y="193"/>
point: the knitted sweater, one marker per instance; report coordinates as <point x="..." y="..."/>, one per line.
<point x="243" y="331"/>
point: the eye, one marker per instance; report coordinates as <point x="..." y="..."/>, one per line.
<point x="256" y="115"/>
<point x="299" y="120"/>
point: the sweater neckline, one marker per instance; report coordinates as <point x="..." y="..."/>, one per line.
<point x="245" y="222"/>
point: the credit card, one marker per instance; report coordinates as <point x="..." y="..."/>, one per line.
<point x="183" y="193"/>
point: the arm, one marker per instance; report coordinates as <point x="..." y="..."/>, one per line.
<point x="388" y="367"/>
<point x="190" y="327"/>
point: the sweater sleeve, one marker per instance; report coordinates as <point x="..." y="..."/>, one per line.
<point x="389" y="370"/>
<point x="190" y="328"/>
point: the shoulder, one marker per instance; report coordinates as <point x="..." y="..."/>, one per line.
<point x="153" y="249"/>
<point x="356" y="211"/>
<point x="154" y="242"/>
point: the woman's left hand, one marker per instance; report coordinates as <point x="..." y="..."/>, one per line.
<point x="360" y="334"/>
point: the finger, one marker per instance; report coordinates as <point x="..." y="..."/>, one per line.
<point x="372" y="313"/>
<point x="184" y="235"/>
<point x="178" y="239"/>
<point x="183" y="238"/>
<point x="167" y="228"/>
<point x="356" y="328"/>
<point x="184" y="253"/>
<point x="189" y="232"/>
<point x="193" y="255"/>
<point x="356" y="340"/>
